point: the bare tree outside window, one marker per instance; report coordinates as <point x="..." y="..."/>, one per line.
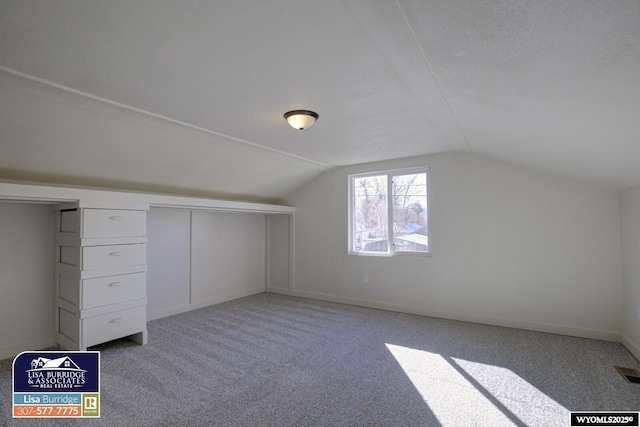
<point x="395" y="198"/>
<point x="371" y="214"/>
<point x="410" y="212"/>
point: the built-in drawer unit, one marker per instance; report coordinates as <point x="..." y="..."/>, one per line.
<point x="89" y="293"/>
<point x="113" y="325"/>
<point x="113" y="223"/>
<point x="69" y="255"/>
<point x="69" y="221"/>
<point x="68" y="327"/>
<point x="113" y="289"/>
<point x="113" y="256"/>
<point x="101" y="276"/>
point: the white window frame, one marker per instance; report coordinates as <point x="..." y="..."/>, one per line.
<point x="351" y="224"/>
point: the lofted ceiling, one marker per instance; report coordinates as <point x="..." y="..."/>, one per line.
<point x="188" y="96"/>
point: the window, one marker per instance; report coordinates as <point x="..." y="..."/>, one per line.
<point x="389" y="207"/>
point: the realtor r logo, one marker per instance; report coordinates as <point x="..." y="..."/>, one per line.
<point x="90" y="405"/>
<point x="90" y="402"/>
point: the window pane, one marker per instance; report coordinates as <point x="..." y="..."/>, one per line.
<point x="410" y="227"/>
<point x="370" y="214"/>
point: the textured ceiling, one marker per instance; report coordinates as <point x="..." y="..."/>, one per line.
<point x="548" y="84"/>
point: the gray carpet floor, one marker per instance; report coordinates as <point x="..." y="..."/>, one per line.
<point x="273" y="360"/>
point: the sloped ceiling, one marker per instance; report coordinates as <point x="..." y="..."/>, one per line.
<point x="188" y="97"/>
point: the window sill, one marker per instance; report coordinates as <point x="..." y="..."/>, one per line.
<point x="390" y="255"/>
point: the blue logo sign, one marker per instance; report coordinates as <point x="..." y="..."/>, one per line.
<point x="56" y="384"/>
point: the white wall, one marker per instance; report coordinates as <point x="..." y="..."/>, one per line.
<point x="199" y="258"/>
<point x="27" y="247"/>
<point x="630" y="236"/>
<point x="510" y="246"/>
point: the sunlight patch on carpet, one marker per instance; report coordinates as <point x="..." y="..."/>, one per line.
<point x="460" y="391"/>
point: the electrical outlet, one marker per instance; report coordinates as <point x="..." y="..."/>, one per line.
<point x="365" y="278"/>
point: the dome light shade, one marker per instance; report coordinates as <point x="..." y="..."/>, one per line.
<point x="301" y="119"/>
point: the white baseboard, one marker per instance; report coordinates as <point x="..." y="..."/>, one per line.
<point x="13" y="351"/>
<point x="474" y="318"/>
<point x="631" y="345"/>
<point x="226" y="297"/>
<point x="283" y="291"/>
<point x="166" y="312"/>
<point x="159" y="314"/>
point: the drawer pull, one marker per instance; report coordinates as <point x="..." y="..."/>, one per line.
<point x="115" y="218"/>
<point x="116" y="320"/>
<point x="114" y="284"/>
<point x="115" y="253"/>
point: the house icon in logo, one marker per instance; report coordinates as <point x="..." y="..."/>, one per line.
<point x="60" y="364"/>
<point x="56" y="372"/>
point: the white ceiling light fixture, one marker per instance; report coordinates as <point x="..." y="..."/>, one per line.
<point x="301" y="119"/>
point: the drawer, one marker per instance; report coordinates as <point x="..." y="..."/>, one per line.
<point x="113" y="289"/>
<point x="113" y="256"/>
<point x="113" y="223"/>
<point x="107" y="327"/>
